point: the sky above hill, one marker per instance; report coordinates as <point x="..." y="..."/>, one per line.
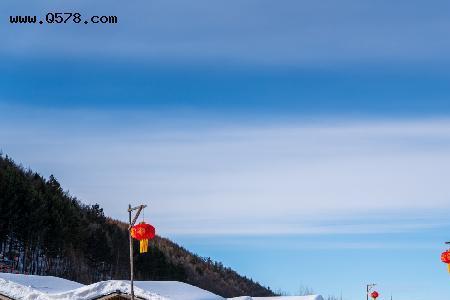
<point x="302" y="143"/>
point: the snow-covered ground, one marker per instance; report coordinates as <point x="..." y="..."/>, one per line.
<point x="32" y="287"/>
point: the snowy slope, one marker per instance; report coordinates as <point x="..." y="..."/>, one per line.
<point x="31" y="287"/>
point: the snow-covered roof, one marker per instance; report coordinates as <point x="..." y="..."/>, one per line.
<point x="32" y="287"/>
<point x="310" y="297"/>
<point x="45" y="284"/>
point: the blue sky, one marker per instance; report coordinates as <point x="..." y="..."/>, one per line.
<point x="301" y="143"/>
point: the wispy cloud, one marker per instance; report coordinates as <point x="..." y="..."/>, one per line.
<point x="261" y="32"/>
<point x="237" y="178"/>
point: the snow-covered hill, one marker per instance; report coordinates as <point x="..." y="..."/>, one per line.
<point x="32" y="287"/>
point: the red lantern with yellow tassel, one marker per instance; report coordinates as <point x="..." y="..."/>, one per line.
<point x="445" y="258"/>
<point x="143" y="232"/>
<point x="374" y="295"/>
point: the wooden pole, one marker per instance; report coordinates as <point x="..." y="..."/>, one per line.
<point x="131" y="254"/>
<point x="369" y="289"/>
<point x="132" y="222"/>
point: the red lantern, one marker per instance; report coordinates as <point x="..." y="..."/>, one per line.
<point x="143" y="232"/>
<point x="374" y="295"/>
<point x="445" y="258"/>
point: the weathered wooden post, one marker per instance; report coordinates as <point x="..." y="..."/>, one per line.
<point x="131" y="224"/>
<point x="369" y="289"/>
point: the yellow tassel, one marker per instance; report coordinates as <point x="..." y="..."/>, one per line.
<point x="448" y="266"/>
<point x="143" y="246"/>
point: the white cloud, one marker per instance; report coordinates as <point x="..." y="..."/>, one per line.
<point x="280" y="178"/>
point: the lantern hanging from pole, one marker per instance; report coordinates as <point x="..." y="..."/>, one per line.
<point x="445" y="258"/>
<point x="143" y="232"/>
<point x="374" y="295"/>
